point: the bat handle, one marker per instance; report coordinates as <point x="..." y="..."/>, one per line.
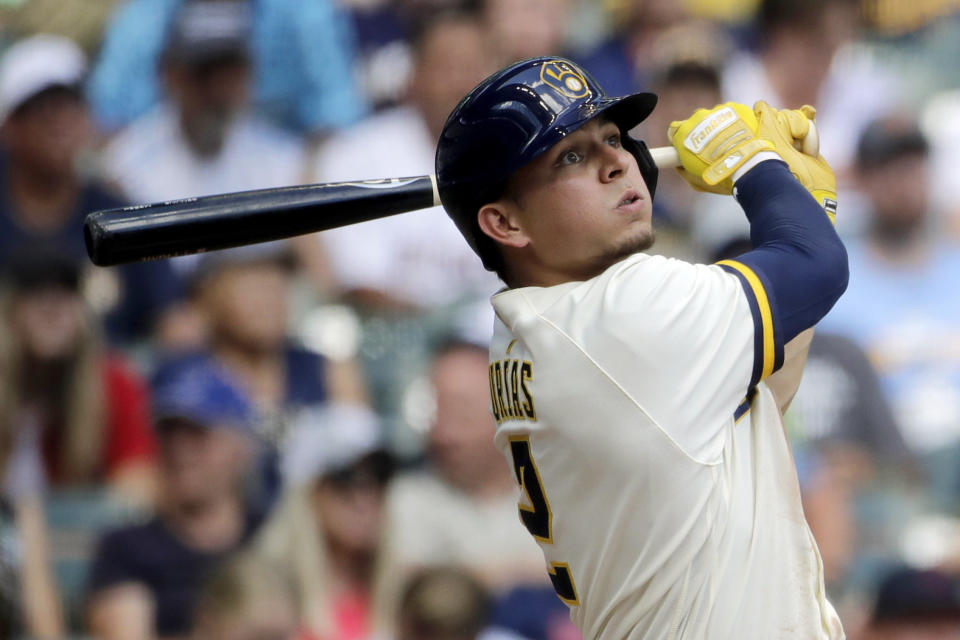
<point x="436" y="191"/>
<point x="665" y="157"/>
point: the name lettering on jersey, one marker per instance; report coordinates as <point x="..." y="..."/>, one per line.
<point x="510" y="390"/>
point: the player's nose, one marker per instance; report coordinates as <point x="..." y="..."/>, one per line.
<point x="613" y="163"/>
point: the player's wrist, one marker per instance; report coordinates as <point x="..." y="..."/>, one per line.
<point x="766" y="178"/>
<point x="754" y="161"/>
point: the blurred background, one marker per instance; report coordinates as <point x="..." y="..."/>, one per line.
<point x="293" y="440"/>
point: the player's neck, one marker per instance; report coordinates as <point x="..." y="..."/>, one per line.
<point x="527" y="274"/>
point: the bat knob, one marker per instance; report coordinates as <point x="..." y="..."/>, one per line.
<point x="811" y="142"/>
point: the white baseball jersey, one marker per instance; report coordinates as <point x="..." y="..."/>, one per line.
<point x="663" y="495"/>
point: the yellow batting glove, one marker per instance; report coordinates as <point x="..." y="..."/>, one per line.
<point x="714" y="143"/>
<point x="786" y="129"/>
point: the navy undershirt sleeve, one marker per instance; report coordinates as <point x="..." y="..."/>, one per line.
<point x="798" y="259"/>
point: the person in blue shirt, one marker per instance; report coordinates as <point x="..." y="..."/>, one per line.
<point x="303" y="53"/>
<point x="902" y="306"/>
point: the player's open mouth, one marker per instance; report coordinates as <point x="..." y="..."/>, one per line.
<point x="629" y="198"/>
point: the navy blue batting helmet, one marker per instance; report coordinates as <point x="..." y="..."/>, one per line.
<point x="511" y="118"/>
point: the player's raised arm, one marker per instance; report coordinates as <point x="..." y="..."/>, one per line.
<point x="798" y="267"/>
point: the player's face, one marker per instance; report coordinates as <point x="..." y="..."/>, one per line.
<point x="581" y="206"/>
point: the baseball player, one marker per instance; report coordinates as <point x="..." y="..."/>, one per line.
<point x="639" y="398"/>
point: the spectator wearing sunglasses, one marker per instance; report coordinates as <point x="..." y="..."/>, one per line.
<point x="327" y="530"/>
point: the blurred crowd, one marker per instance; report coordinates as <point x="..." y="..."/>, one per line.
<point x="293" y="439"/>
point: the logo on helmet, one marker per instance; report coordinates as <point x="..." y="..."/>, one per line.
<point x="564" y="79"/>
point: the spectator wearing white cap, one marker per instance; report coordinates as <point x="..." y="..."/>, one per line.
<point x="45" y="133"/>
<point x="327" y="530"/>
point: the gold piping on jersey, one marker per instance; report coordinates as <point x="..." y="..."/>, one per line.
<point x="763" y="303"/>
<point x="510" y="346"/>
<point x="538" y="516"/>
<point x="510" y="396"/>
<point x="561" y="570"/>
<point x="532" y="497"/>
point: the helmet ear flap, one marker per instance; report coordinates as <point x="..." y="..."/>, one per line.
<point x="640" y="151"/>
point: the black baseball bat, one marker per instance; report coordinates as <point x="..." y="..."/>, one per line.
<point x="195" y="225"/>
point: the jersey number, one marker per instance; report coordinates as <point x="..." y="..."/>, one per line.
<point x="537" y="518"/>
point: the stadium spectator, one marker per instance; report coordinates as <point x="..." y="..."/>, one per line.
<point x="201" y="139"/>
<point x="523" y="29"/>
<point x="940" y="123"/>
<point x="805" y="57"/>
<point x="79" y="20"/>
<point x="29" y="602"/>
<point x="327" y="531"/>
<point x="242" y="298"/>
<point x="534" y="613"/>
<point x="246" y="599"/>
<point x="682" y="86"/>
<point x="83" y="406"/>
<point x="645" y="36"/>
<point x="840" y="404"/>
<point x="915" y="604"/>
<point x="463" y="509"/>
<point x="852" y="461"/>
<point x="443" y="603"/>
<point x="383" y="59"/>
<point x="145" y="579"/>
<point x="44" y="194"/>
<point x="417" y="260"/>
<point x="302" y="54"/>
<point x="901" y="305"/>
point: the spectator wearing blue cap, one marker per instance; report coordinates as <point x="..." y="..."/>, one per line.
<point x="145" y="579"/>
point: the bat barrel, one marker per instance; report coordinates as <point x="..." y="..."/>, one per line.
<point x="194" y="225"/>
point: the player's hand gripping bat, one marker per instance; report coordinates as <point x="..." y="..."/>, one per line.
<point x="194" y="225"/>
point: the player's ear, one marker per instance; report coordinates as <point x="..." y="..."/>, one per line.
<point x="498" y="221"/>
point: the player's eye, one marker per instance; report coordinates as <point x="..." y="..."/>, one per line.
<point x="569" y="157"/>
<point x="614" y="140"/>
